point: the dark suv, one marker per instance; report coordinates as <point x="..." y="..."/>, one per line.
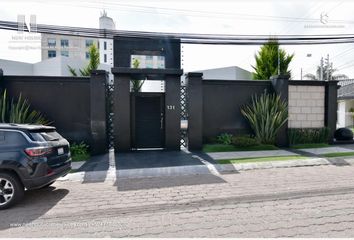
<point x="31" y="157"/>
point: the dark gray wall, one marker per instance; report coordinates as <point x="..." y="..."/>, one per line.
<point x="222" y="101"/>
<point x="74" y="105"/>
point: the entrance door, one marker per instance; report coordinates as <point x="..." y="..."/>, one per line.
<point x="149" y="121"/>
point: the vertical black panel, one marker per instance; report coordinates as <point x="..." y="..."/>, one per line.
<point x="121" y="95"/>
<point x="173" y="112"/>
<point x="149" y="126"/>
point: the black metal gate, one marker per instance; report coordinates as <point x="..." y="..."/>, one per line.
<point x="147" y="120"/>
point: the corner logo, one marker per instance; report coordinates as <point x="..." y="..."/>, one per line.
<point x="22" y="26"/>
<point x="324" y="18"/>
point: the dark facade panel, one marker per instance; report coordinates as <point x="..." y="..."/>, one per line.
<point x="65" y="101"/>
<point x="222" y="102"/>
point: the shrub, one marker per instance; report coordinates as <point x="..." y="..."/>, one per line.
<point x="225" y="138"/>
<point x="308" y="135"/>
<point x="266" y="115"/>
<point x="244" y="141"/>
<point x="79" y="151"/>
<point x="18" y="111"/>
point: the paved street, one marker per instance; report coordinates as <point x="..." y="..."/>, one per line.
<point x="280" y="202"/>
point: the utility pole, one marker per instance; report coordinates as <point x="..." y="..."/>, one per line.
<point x="327" y="67"/>
<point x="321" y="69"/>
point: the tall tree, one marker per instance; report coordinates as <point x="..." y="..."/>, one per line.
<point x="93" y="64"/>
<point x="327" y="69"/>
<point x="267" y="61"/>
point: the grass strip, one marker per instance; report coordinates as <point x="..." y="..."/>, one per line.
<point x="338" y="154"/>
<point x="310" y="145"/>
<point x="262" y="159"/>
<point x="231" y="148"/>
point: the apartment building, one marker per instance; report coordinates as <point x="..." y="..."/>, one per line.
<point x="78" y="47"/>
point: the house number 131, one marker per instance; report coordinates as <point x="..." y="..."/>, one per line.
<point x="170" y="107"/>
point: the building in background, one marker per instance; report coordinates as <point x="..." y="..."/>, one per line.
<point x="106" y="45"/>
<point x="57" y="66"/>
<point x="53" y="45"/>
<point x="226" y="73"/>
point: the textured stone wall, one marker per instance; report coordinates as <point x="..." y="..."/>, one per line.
<point x="306" y="106"/>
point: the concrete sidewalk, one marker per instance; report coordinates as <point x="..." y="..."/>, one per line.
<point x="171" y="164"/>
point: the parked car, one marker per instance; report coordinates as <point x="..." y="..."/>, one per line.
<point x="31" y="157"/>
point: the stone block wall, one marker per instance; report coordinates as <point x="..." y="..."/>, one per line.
<point x="306" y="106"/>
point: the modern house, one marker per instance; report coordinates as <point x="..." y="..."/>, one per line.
<point x="346" y="103"/>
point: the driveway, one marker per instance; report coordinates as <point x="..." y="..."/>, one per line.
<point x="290" y="202"/>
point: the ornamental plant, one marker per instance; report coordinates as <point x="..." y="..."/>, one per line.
<point x="266" y="115"/>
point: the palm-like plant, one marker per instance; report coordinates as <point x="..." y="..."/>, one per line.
<point x="330" y="70"/>
<point x="19" y="111"/>
<point x="137" y="83"/>
<point x="267" y="61"/>
<point x="93" y="64"/>
<point x="266" y="115"/>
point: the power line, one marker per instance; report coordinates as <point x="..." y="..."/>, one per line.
<point x="188" y="38"/>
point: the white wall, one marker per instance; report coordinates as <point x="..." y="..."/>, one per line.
<point x="345" y="116"/>
<point x="227" y="73"/>
<point x="16" y="68"/>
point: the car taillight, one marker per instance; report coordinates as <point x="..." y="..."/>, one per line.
<point x="37" y="151"/>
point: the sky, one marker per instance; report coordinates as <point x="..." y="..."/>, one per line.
<point x="218" y="17"/>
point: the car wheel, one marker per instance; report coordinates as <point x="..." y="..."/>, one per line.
<point x="11" y="190"/>
<point x="48" y="185"/>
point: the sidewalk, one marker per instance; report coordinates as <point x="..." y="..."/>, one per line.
<point x="171" y="164"/>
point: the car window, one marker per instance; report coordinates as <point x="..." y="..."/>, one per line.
<point x="43" y="136"/>
<point x="11" y="138"/>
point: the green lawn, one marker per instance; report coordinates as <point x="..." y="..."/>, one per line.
<point x="338" y="154"/>
<point x="231" y="148"/>
<point x="262" y="159"/>
<point x="310" y="145"/>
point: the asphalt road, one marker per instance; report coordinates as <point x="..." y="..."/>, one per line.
<point x="281" y="202"/>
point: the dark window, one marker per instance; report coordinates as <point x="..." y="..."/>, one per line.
<point x="105" y="57"/>
<point x="89" y="42"/>
<point x="10" y="138"/>
<point x="105" y="45"/>
<point x="52" y="42"/>
<point x="43" y="136"/>
<point x="64" y="43"/>
<point x="87" y="55"/>
<point x="52" y="53"/>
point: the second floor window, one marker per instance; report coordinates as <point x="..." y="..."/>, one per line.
<point x="52" y="42"/>
<point x="64" y="43"/>
<point x="105" y="45"/>
<point x="89" y="42"/>
<point x="87" y="55"/>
